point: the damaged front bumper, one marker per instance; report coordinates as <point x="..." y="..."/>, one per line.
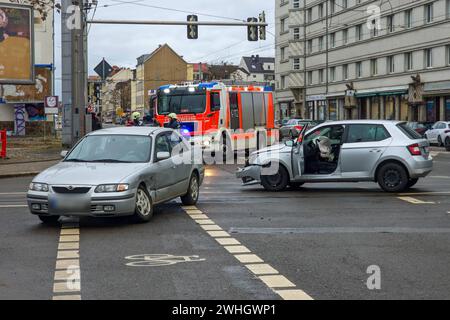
<point x="250" y="175"/>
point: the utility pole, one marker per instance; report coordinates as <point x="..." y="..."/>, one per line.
<point x="305" y="73"/>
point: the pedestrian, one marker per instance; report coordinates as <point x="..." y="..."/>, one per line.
<point x="173" y="122"/>
<point x="136" y="116"/>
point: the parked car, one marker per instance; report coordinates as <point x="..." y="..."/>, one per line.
<point x="386" y="152"/>
<point x="420" y="127"/>
<point x="293" y="127"/>
<point x="118" y="172"/>
<point x="440" y="134"/>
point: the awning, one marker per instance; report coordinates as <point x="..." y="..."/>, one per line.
<point x="386" y="91"/>
<point x="437" y="86"/>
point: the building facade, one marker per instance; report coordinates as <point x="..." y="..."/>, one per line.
<point x="367" y="61"/>
<point x="257" y="69"/>
<point x="117" y="94"/>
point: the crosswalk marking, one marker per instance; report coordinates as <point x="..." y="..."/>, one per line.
<point x="415" y="201"/>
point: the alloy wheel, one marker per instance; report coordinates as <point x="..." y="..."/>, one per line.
<point x="143" y="203"/>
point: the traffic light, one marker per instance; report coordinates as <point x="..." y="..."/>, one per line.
<point x="252" y="30"/>
<point x="192" y="30"/>
<point x="262" y="29"/>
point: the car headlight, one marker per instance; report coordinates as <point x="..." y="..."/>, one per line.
<point x="112" y="188"/>
<point x="206" y="143"/>
<point x="42" y="187"/>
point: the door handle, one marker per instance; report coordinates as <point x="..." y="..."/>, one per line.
<point x="375" y="150"/>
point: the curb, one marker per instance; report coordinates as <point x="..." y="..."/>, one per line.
<point x="32" y="161"/>
<point x="18" y="175"/>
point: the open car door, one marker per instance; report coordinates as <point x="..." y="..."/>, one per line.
<point x="297" y="156"/>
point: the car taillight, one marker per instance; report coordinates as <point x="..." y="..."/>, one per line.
<point x="300" y="138"/>
<point x="414" y="149"/>
<point x="299" y="128"/>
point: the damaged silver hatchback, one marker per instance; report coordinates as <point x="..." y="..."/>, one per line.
<point x="386" y="152"/>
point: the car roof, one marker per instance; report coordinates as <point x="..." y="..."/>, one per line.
<point x="137" y="131"/>
<point x="343" y="122"/>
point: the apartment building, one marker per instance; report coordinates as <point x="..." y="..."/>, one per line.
<point x="363" y="60"/>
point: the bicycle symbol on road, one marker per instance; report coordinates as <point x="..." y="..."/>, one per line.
<point x="159" y="260"/>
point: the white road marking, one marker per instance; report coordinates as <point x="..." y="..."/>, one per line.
<point x="69" y="238"/>
<point x="254" y="264"/>
<point x="67" y="297"/>
<point x="415" y="201"/>
<point x="68" y="254"/>
<point x="426" y="193"/>
<point x="13" y="206"/>
<point x="12" y="193"/>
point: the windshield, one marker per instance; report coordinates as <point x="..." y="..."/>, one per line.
<point x="112" y="149"/>
<point x="181" y="103"/>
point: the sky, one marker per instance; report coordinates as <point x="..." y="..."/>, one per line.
<point x="121" y="44"/>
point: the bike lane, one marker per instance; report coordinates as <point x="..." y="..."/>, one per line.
<point x="169" y="258"/>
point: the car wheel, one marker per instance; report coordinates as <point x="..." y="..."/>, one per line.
<point x="439" y="140"/>
<point x="276" y="182"/>
<point x="447" y="143"/>
<point x="296" y="185"/>
<point x="392" y="177"/>
<point x="143" y="211"/>
<point x="49" y="219"/>
<point x="412" y="183"/>
<point x="191" y="197"/>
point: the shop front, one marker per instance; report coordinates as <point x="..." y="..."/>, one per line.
<point x="323" y="108"/>
<point x="437" y="101"/>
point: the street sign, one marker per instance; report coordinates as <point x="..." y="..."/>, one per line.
<point x="51" y="104"/>
<point x="103" y="69"/>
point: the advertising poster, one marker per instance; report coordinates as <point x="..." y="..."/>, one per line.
<point x="16" y="44"/>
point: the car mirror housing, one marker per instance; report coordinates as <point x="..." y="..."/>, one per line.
<point x="64" y="153"/>
<point x="162" y="156"/>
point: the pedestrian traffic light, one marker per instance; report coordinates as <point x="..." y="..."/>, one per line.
<point x="262" y="29"/>
<point x="252" y="31"/>
<point x="192" y="29"/>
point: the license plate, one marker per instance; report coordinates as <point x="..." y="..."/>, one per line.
<point x="69" y="204"/>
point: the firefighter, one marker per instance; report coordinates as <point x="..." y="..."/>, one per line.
<point x="173" y="122"/>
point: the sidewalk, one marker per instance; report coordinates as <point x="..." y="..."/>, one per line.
<point x="14" y="170"/>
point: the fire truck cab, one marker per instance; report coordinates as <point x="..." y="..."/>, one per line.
<point x="220" y="117"/>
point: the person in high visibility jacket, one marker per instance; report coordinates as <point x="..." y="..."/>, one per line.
<point x="136" y="116"/>
<point x="173" y="122"/>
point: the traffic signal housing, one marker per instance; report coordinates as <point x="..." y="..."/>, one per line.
<point x="262" y="29"/>
<point x="192" y="29"/>
<point x="252" y="31"/>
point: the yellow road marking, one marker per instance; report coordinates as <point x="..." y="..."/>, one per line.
<point x="68" y="246"/>
<point x="62" y="287"/>
<point x="66" y="264"/>
<point x="70" y="231"/>
<point x="293" y="294"/>
<point x="248" y="258"/>
<point x="64" y="275"/>
<point x="237" y="249"/>
<point x="68" y="254"/>
<point x="261" y="269"/>
<point x="255" y="264"/>
<point x="425" y="193"/>
<point x="69" y="238"/>
<point x="189" y="208"/>
<point x="415" y="201"/>
<point x="227" y="241"/>
<point x="67" y="297"/>
<point x="207" y="221"/>
<point x="211" y="227"/>
<point x="218" y="234"/>
<point x="277" y="281"/>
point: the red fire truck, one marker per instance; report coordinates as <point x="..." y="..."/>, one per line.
<point x="220" y="117"/>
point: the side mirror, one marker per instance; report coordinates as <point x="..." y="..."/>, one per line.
<point x="162" y="156"/>
<point x="64" y="153"/>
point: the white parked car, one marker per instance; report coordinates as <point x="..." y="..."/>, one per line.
<point x="440" y="134"/>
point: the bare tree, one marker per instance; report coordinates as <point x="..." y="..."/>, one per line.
<point x="42" y="6"/>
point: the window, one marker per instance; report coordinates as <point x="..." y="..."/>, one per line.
<point x="321" y="43"/>
<point x="429" y="13"/>
<point x="448" y="9"/>
<point x="283" y="25"/>
<point x="345" y="72"/>
<point x="321" y="77"/>
<point x="408" y="18"/>
<point x="321" y="11"/>
<point x="334" y="133"/>
<point x="310" y="77"/>
<point x="333" y="74"/>
<point x="215" y="101"/>
<point x="344" y="4"/>
<point x="283" y="53"/>
<point x="310" y="46"/>
<point x="333" y="6"/>
<point x="309" y="15"/>
<point x="410" y="133"/>
<point x="390" y="23"/>
<point x="296" y="4"/>
<point x="428" y="58"/>
<point x="359" y="69"/>
<point x="283" y="82"/>
<point x="296" y="64"/>
<point x="345" y="36"/>
<point x="296" y="33"/>
<point x="374" y="67"/>
<point x="448" y="55"/>
<point x="409" y="61"/>
<point x="375" y="29"/>
<point x="358" y="33"/>
<point x="333" y="40"/>
<point x="391" y="64"/>
<point x="359" y="133"/>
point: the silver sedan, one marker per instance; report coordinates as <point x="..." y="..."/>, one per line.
<point x="118" y="172"/>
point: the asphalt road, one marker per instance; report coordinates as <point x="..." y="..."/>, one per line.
<point x="321" y="240"/>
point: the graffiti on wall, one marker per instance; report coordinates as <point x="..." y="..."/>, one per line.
<point x="19" y="119"/>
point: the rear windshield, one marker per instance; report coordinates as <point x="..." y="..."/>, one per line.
<point x="410" y="133"/>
